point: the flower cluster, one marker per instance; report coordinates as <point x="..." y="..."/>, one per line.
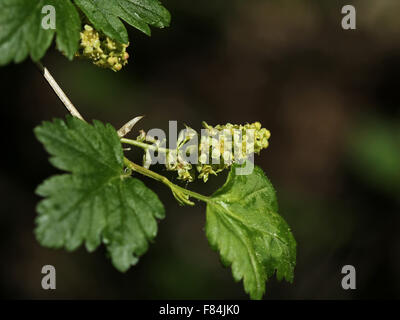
<point x="220" y="147"/>
<point x="173" y="159"/>
<point x="103" y="51"/>
<point x="224" y="145"/>
<point x="179" y="158"/>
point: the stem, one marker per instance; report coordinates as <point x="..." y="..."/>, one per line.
<point x="144" y="145"/>
<point x="190" y="193"/>
<point x="133" y="166"/>
<point x="139" y="144"/>
<point x="59" y="92"/>
<point x="175" y="188"/>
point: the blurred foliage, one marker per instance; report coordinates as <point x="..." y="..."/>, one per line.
<point x="374" y="152"/>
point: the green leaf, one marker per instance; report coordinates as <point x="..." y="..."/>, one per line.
<point x="97" y="201"/>
<point x="68" y="26"/>
<point x="21" y="33"/>
<point x="105" y="14"/>
<point x="244" y="226"/>
<point x="140" y="13"/>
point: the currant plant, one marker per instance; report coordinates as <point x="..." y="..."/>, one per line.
<point x="97" y="201"/>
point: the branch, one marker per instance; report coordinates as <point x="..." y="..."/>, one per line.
<point x="125" y="129"/>
<point x="181" y="194"/>
<point x="59" y="92"/>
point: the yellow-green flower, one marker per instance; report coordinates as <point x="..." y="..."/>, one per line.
<point x="220" y="148"/>
<point x="103" y="51"/>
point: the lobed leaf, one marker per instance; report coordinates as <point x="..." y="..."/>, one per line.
<point x="251" y="237"/>
<point x="68" y="27"/>
<point x="97" y="202"/>
<point x="22" y="35"/>
<point x="105" y="16"/>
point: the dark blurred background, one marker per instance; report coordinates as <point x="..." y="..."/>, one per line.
<point x="330" y="98"/>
